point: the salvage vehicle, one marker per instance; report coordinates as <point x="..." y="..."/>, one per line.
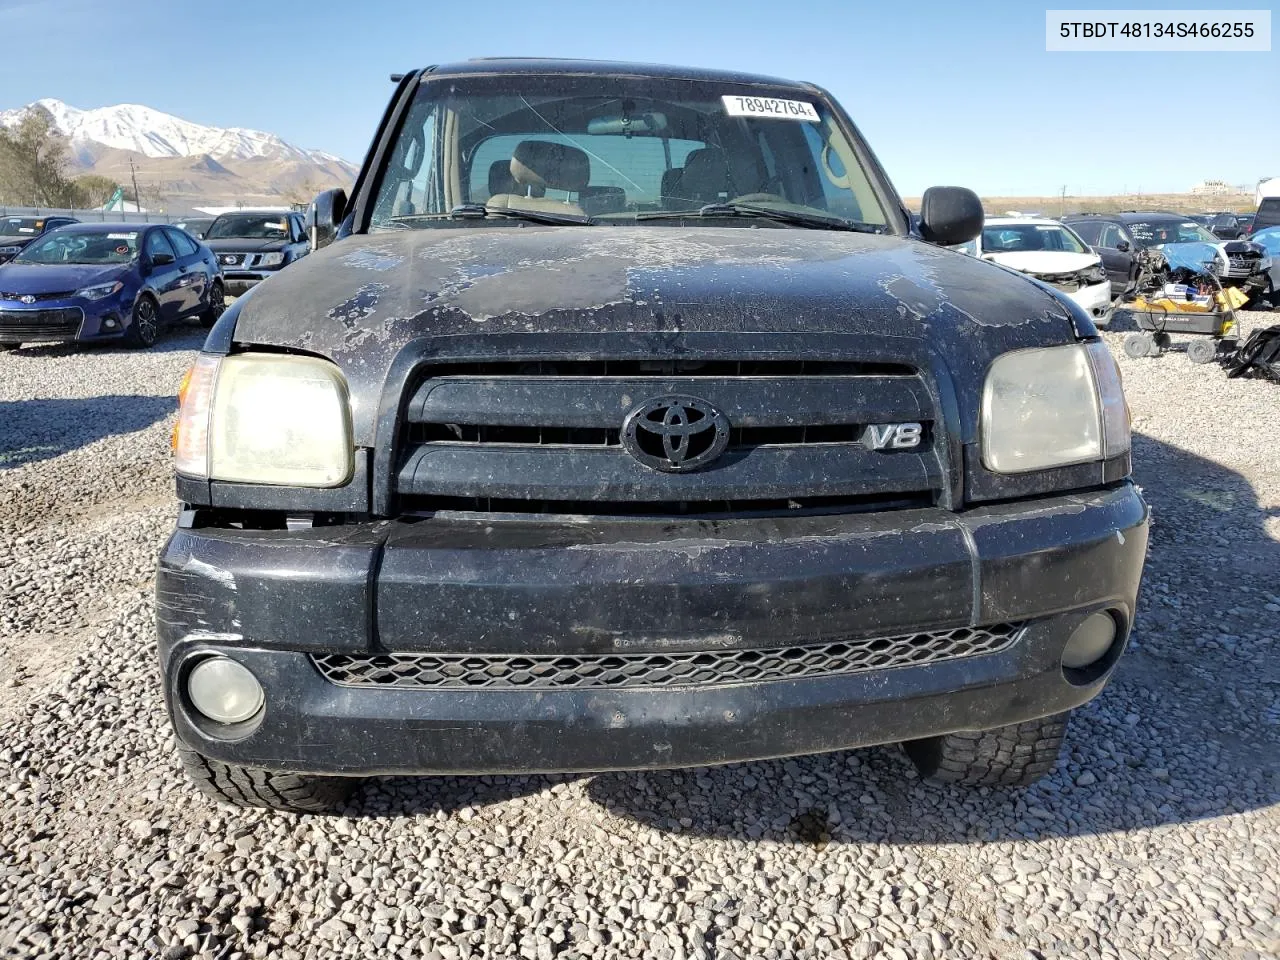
<point x="17" y="232"/>
<point x="618" y="422"/>
<point x="1268" y="205"/>
<point x="1269" y="240"/>
<point x="1120" y="237"/>
<point x="252" y="245"/>
<point x="1050" y="252"/>
<point x="96" y="282"/>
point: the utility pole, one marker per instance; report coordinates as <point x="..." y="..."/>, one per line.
<point x="1062" y="206"/>
<point x="133" y="174"/>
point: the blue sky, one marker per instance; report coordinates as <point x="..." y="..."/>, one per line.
<point x="945" y="92"/>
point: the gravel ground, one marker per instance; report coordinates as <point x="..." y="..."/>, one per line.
<point x="1159" y="835"/>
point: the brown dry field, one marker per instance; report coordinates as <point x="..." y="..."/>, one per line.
<point x="1057" y="206"/>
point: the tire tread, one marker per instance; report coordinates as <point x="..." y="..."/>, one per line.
<point x="255" y="787"/>
<point x="1011" y="756"/>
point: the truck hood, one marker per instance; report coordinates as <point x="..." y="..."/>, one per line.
<point x="1044" y="263"/>
<point x="364" y="299"/>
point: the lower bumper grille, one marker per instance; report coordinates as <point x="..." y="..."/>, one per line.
<point x="695" y="668"/>
<point x="19" y="325"/>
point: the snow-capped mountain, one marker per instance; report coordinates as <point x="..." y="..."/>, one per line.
<point x="143" y="130"/>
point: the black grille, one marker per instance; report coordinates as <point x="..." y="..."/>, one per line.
<point x="743" y="438"/>
<point x="17" y="326"/>
<point x="548" y="434"/>
<point x="1242" y="263"/>
<point x="702" y="668"/>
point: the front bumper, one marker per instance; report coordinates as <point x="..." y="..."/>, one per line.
<point x="236" y="281"/>
<point x="62" y="321"/>
<point x="1094" y="299"/>
<point x="275" y="599"/>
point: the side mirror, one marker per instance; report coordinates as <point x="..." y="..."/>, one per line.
<point x="161" y="259"/>
<point x="1122" y="246"/>
<point x="325" y="216"/>
<point x="950" y="215"/>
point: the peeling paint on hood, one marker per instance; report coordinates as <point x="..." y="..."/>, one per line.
<point x="363" y="299"/>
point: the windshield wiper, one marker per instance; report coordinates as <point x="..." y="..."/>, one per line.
<point x="798" y="218"/>
<point x="478" y="211"/>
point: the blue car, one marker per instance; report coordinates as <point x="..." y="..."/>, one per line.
<point x="98" y="282"/>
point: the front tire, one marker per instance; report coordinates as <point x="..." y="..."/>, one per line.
<point x="254" y="787"/>
<point x="1016" y="755"/>
<point x="144" y="323"/>
<point x="217" y="304"/>
<point x="6" y="347"/>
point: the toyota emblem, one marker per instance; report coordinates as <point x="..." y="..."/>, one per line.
<point x="27" y="298"/>
<point x="675" y="434"/>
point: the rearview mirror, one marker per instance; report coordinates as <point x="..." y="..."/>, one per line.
<point x="950" y="215"/>
<point x="325" y="216"/>
<point x="161" y="259"/>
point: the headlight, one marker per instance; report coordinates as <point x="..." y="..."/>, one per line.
<point x="262" y="418"/>
<point x="10" y="251"/>
<point x="1095" y="274"/>
<point x="100" y="290"/>
<point x="270" y="259"/>
<point x="1052" y="407"/>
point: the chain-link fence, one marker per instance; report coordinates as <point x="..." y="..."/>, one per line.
<point x="98" y="215"/>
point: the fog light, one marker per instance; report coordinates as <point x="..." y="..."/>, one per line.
<point x="109" y="323"/>
<point x="1090" y="641"/>
<point x="224" y="690"/>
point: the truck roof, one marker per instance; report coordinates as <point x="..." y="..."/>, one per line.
<point x="556" y="66"/>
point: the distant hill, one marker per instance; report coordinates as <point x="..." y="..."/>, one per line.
<point x="180" y="164"/>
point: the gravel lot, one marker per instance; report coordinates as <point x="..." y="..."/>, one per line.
<point x="1158" y="836"/>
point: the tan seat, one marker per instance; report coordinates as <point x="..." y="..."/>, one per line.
<point x="538" y="166"/>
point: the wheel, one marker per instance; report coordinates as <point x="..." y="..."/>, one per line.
<point x="217" y="303"/>
<point x="253" y="787"/>
<point x="1014" y="756"/>
<point x="6" y="347"/>
<point x="1202" y="351"/>
<point x="144" y="324"/>
<point x="1139" y="345"/>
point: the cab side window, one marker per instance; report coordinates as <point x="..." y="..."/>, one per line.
<point x="1110" y="236"/>
<point x="186" y="247"/>
<point x="1089" y="232"/>
<point x="156" y="243"/>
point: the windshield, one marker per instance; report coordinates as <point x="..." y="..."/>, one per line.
<point x="69" y="246"/>
<point x="20" y="226"/>
<point x="248" y="227"/>
<point x="612" y="147"/>
<point x="1170" y="231"/>
<point x="1027" y="237"/>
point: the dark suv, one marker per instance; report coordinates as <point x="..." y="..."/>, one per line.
<point x="252" y="245"/>
<point x="620" y="422"/>
<point x="17" y="232"/>
<point x="1118" y="237"/>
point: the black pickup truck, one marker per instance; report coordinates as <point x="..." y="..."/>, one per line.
<point x="620" y="421"/>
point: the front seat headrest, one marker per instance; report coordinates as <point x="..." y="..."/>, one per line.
<point x="558" y="166"/>
<point x="501" y="181"/>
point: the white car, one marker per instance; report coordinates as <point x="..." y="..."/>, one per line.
<point x="1049" y="251"/>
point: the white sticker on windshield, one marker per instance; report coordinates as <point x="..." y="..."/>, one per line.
<point x="122" y="236"/>
<point x="770" y="107"/>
